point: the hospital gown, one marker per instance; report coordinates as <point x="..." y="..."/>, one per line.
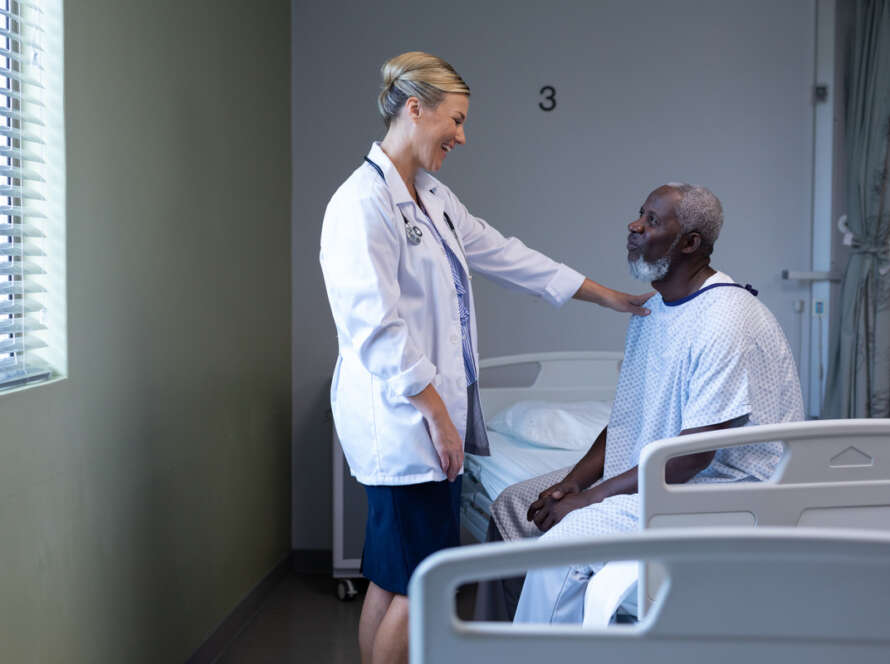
<point x="717" y="356"/>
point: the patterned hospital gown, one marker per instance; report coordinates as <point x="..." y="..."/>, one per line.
<point x="714" y="357"/>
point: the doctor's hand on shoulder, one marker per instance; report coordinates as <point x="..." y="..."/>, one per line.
<point x="447" y="442"/>
<point x="591" y="291"/>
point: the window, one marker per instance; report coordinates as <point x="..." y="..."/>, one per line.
<point x="32" y="194"/>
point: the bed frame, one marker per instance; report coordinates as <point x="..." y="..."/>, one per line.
<point x="833" y="474"/>
<point x="559" y="376"/>
<point x="831" y="491"/>
<point x="733" y="596"/>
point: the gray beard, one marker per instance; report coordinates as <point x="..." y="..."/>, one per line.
<point x="644" y="271"/>
<point x="655" y="271"/>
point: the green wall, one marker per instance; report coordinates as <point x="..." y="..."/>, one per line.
<point x="144" y="496"/>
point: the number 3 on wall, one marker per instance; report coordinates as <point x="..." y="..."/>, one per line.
<point x="549" y="102"/>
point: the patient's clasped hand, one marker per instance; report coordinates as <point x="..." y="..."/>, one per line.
<point x="709" y="356"/>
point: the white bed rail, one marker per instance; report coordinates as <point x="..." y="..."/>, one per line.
<point x="559" y="376"/>
<point x="732" y="595"/>
<point x="834" y="474"/>
<point x="838" y="455"/>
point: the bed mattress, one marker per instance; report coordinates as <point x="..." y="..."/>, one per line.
<point x="514" y="461"/>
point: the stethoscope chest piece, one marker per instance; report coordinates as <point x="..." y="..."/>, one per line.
<point x="413" y="233"/>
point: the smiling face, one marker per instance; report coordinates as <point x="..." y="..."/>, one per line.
<point x="438" y="130"/>
<point x="654" y="235"/>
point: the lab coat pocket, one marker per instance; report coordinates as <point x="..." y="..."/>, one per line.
<point x="351" y="398"/>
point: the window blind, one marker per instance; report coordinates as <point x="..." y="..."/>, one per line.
<point x="25" y="211"/>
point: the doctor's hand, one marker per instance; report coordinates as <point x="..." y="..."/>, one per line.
<point x="449" y="446"/>
<point x="446" y="440"/>
<point x="591" y="291"/>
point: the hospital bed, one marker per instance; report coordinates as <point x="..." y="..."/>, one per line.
<point x="575" y="389"/>
<point x="731" y="595"/>
<point x="833" y="474"/>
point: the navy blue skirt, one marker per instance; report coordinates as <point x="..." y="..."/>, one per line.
<point x="407" y="523"/>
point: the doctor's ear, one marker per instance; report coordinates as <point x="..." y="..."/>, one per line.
<point x="414" y="108"/>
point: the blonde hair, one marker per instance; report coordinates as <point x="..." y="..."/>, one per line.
<point x="416" y="74"/>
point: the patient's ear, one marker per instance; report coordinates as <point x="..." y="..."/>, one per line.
<point x="692" y="243"/>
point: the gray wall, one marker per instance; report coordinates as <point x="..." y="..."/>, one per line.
<point x="648" y="92"/>
<point x="143" y="497"/>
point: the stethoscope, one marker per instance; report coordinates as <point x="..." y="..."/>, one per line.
<point x="413" y="233"/>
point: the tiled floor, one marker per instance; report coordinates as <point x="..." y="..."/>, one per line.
<point x="303" y="621"/>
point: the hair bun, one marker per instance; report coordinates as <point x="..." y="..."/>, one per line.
<point x="416" y="74"/>
<point x="391" y="72"/>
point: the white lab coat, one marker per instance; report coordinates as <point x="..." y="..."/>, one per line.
<point x="395" y="308"/>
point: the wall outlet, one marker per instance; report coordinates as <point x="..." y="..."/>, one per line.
<point x="818" y="307"/>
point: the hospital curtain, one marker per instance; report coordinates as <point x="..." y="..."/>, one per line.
<point x="858" y="382"/>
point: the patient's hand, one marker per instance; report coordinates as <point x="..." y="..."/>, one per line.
<point x="556" y="492"/>
<point x="553" y="511"/>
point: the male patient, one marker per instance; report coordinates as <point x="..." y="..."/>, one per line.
<point x="709" y="356"/>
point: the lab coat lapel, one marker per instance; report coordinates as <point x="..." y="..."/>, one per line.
<point x="426" y="189"/>
<point x="435" y="206"/>
<point x="394" y="183"/>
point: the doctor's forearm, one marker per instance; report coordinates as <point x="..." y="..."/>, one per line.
<point x="430" y="404"/>
<point x="591" y="291"/>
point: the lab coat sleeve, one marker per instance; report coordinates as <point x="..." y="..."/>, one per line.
<point x="359" y="259"/>
<point x="509" y="262"/>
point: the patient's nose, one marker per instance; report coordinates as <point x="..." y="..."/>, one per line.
<point x="636" y="226"/>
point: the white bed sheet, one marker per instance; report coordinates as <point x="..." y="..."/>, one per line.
<point x="513" y="461"/>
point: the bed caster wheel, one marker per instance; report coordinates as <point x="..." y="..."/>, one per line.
<point x="346" y="590"/>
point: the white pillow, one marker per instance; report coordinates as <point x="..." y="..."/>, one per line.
<point x="567" y="426"/>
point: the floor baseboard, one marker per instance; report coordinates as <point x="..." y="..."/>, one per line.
<point x="228" y="630"/>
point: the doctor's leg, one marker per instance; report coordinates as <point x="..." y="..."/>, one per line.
<point x="377" y="602"/>
<point x="391" y="642"/>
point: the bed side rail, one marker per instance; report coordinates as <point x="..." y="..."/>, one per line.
<point x="732" y="595"/>
<point x="833" y="473"/>
<point x="555" y="376"/>
<point x="826" y="464"/>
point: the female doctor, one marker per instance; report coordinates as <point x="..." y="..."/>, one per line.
<point x="397" y="247"/>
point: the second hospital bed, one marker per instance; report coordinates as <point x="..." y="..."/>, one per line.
<point x="733" y="596"/>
